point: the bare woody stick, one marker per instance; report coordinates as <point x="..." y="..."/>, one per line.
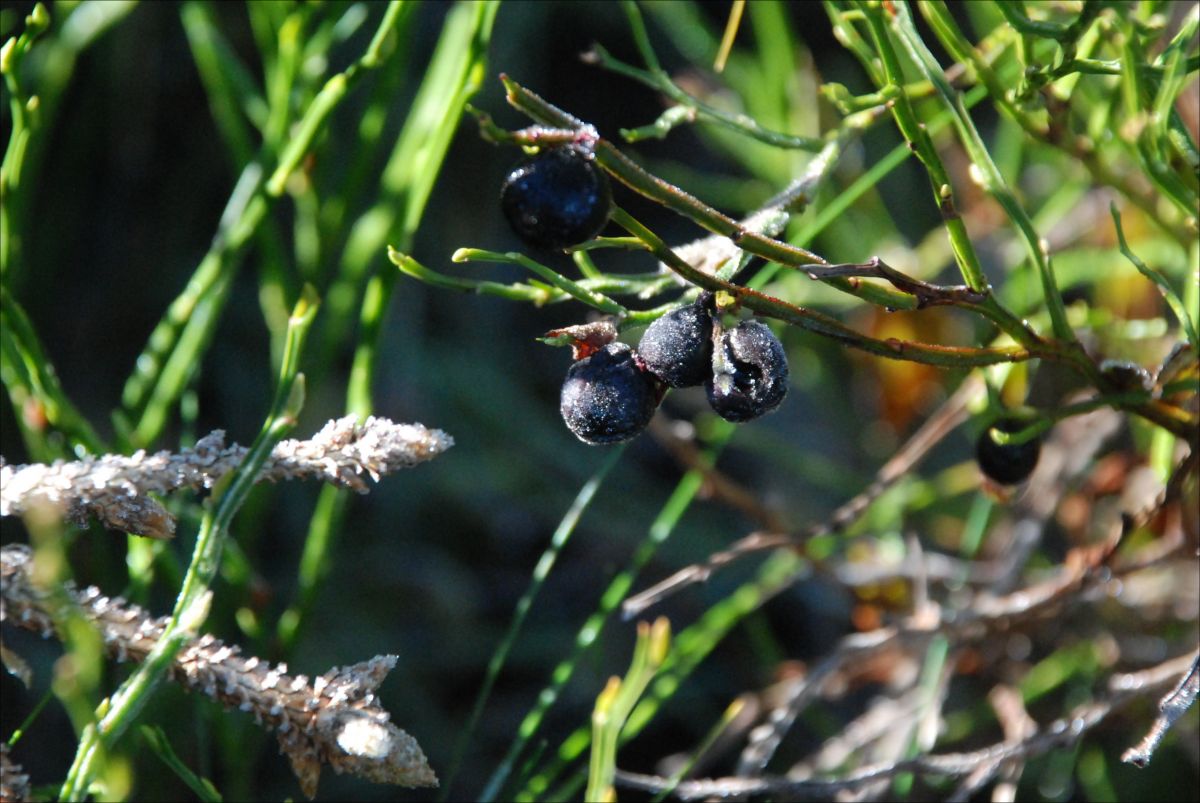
<point x="983" y="763"/>
<point x="334" y="719"/>
<point x="114" y="489"/>
<point x="1174" y="705"/>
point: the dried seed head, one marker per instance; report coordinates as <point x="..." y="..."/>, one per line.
<point x="749" y="372"/>
<point x="608" y="397"/>
<point x="558" y="198"/>
<point x="585" y="339"/>
<point x="677" y="348"/>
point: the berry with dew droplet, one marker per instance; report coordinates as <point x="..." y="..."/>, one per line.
<point x="558" y="198"/>
<point x="1007" y="463"/>
<point x="608" y="397"/>
<point x="749" y="372"/>
<point x="677" y="348"/>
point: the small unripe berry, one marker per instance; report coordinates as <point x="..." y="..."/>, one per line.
<point x="749" y="372"/>
<point x="1007" y="463"/>
<point x="608" y="397"/>
<point x="557" y="198"/>
<point x="677" y="348"/>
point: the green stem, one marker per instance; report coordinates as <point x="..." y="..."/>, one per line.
<point x="664" y="524"/>
<point x="191" y="605"/>
<point x="1177" y="305"/>
<point x="513" y="292"/>
<point x="171" y="356"/>
<point x="1059" y="32"/>
<point x="918" y="139"/>
<point x="23" y="108"/>
<point x="30" y="379"/>
<point x="544" y="565"/>
<point x="328" y="99"/>
<point x="949" y="356"/>
<point x="989" y="174"/>
<point x="571" y="288"/>
<point x="453" y="76"/>
<point x="697" y="109"/>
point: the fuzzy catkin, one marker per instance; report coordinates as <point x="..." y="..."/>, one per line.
<point x="114" y="488"/>
<point x="14" y="782"/>
<point x="334" y="719"/>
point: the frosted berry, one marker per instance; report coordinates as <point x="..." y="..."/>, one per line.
<point x="749" y="372"/>
<point x="608" y="397"/>
<point x="558" y="198"/>
<point x="1007" y="463"/>
<point x="677" y="348"/>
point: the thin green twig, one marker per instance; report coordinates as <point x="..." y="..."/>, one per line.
<point x="454" y="75"/>
<point x="986" y="171"/>
<point x="662" y="527"/>
<point x="191" y="605"/>
<point x="171" y="356"/>
<point x="922" y="145"/>
<point x="34" y="388"/>
<point x="1057" y="31"/>
<point x="574" y="289"/>
<point x="696" y="109"/>
<point x="1164" y="287"/>
<point x="562" y="533"/>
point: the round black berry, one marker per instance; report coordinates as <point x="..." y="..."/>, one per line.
<point x="607" y="397"/>
<point x="1007" y="463"/>
<point x="1126" y="375"/>
<point x="677" y="348"/>
<point x="558" y="198"/>
<point x="749" y="372"/>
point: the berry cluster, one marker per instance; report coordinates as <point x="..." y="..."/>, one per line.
<point x="561" y="198"/>
<point x="610" y="396"/>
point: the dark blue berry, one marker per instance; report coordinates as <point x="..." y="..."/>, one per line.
<point x="1007" y="463"/>
<point x="677" y="348"/>
<point x="1125" y="375"/>
<point x="558" y="198"/>
<point x="608" y="397"/>
<point x="749" y="372"/>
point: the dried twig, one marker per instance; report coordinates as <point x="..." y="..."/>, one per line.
<point x="1010" y="710"/>
<point x="1066" y="455"/>
<point x="943" y="421"/>
<point x="1083" y="570"/>
<point x="114" y="488"/>
<point x="717" y="484"/>
<point x="926" y="294"/>
<point x="1171" y="708"/>
<point x="1064" y="732"/>
<point x="334" y="719"/>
